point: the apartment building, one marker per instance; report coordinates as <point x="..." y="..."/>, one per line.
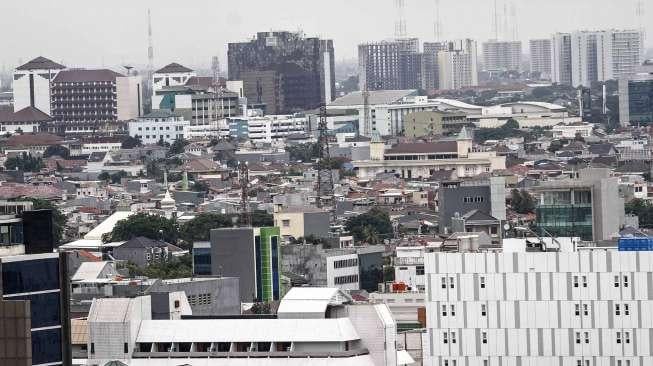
<point x="32" y="84"/>
<point x="540" y="52"/>
<point x="159" y="125"/>
<point x="458" y="65"/>
<point x="584" y="308"/>
<point x="267" y="128"/>
<point x="502" y="55"/>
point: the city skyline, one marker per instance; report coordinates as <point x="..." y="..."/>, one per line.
<point x="74" y="23"/>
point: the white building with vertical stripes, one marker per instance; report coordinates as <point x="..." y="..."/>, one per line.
<point x="585" y="308"/>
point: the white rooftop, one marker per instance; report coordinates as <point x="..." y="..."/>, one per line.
<point x="89" y="271"/>
<point x="310" y="302"/>
<point x="247" y="330"/>
<point x="107" y="225"/>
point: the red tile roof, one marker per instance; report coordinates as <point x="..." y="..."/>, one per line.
<point x="33" y="139"/>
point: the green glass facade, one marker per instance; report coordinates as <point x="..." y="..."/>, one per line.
<point x="566" y="213"/>
<point x="268" y="278"/>
<point x="640" y="101"/>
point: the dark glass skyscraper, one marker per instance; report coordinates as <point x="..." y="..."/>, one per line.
<point x="284" y="71"/>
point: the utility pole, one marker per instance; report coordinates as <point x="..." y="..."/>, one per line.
<point x="243" y="180"/>
<point x="324" y="184"/>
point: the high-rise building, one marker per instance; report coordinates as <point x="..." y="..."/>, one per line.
<point x="636" y="97"/>
<point x="561" y="58"/>
<point x="32" y="84"/>
<point x="390" y="65"/>
<point x="285" y="71"/>
<point x="502" y="55"/>
<point x="430" y="74"/>
<point x="34" y="294"/>
<point x="604" y="55"/>
<point x="540" y="51"/>
<point x="251" y="254"/>
<point x="458" y="65"/>
<point x="92" y="96"/>
<point x="583" y="308"/>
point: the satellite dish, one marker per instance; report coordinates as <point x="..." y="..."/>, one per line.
<point x="506" y="226"/>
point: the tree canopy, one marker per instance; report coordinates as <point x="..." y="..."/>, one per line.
<point x="509" y="129"/>
<point x="131" y="142"/>
<point x="24" y="162"/>
<point x="177" y="147"/>
<point x="199" y="228"/>
<point x="522" y="201"/>
<point x="56" y="150"/>
<point x="142" y="224"/>
<point x="643" y="210"/>
<point x="181" y="267"/>
<point x="371" y="227"/>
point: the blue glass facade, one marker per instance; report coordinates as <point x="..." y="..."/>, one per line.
<point x="640" y="101"/>
<point x="275" y="266"/>
<point x="202" y="261"/>
<point x="36" y="279"/>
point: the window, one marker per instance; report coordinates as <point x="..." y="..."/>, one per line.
<point x="125" y="348"/>
<point x="445" y="338"/>
<point x="444" y="310"/>
<point x="585" y="310"/>
<point x="483" y="310"/>
<point x="625" y="280"/>
<point x="444" y="282"/>
<point x="285" y="223"/>
<point x="587" y="337"/>
<point x="617" y="309"/>
<point x="453" y="337"/>
<point x="575" y="281"/>
<point x="577" y="337"/>
<point x="176" y="304"/>
<point x="626" y="309"/>
<point x="585" y="281"/>
<point x="616" y="281"/>
<point x="618" y="337"/>
<point x="627" y="337"/>
<point x="451" y="282"/>
<point x="419" y="270"/>
<point x="92" y="347"/>
<point x="453" y="310"/>
<point x="576" y="309"/>
<point x="482" y="280"/>
<point x="484" y="337"/>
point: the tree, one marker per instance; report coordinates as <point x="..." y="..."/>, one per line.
<point x="56" y="150"/>
<point x="199" y="228"/>
<point x="262" y="219"/>
<point x="181" y="267"/>
<point x="522" y="201"/>
<point x="131" y="142"/>
<point x="142" y="224"/>
<point x="556" y="145"/>
<point x="643" y="210"/>
<point x="116" y="178"/>
<point x="261" y="308"/>
<point x="104" y="176"/>
<point x="24" y="162"/>
<point x="370" y="227"/>
<point x="201" y="186"/>
<point x="58" y="219"/>
<point x="177" y="147"/>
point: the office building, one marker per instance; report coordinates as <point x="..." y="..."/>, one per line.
<point x="458" y="65"/>
<point x="561" y="58"/>
<point x="502" y="55"/>
<point x="430" y="71"/>
<point x="34" y="295"/>
<point x="604" y="55"/>
<point x="390" y="65"/>
<point x="312" y="326"/>
<point x="582" y="308"/>
<point x="32" y="84"/>
<point x="284" y="71"/>
<point x="473" y="206"/>
<point x="300" y="222"/>
<point x="267" y="128"/>
<point x="84" y="96"/>
<point x="250" y="254"/>
<point x="636" y="97"/>
<point x="540" y="52"/>
<point x="589" y="207"/>
<point x="159" y="125"/>
<point x="434" y="123"/>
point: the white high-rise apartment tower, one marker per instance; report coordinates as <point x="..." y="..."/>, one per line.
<point x="540" y="51"/>
<point x="501" y="55"/>
<point x="458" y="65"/>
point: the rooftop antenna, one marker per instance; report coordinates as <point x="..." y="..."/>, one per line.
<point x="400" y="25"/>
<point x="150" y="48"/>
<point x="129" y="69"/>
<point x="437" y="25"/>
<point x="324" y="184"/>
<point x="243" y="180"/>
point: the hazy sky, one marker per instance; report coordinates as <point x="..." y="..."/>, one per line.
<point x="95" y="33"/>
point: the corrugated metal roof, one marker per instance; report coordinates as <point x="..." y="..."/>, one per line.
<point x="376" y="97"/>
<point x="107" y="225"/>
<point x="247" y="330"/>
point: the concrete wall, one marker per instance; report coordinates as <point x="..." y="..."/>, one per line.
<point x="130" y="97"/>
<point x="232" y="254"/>
<point x="452" y="201"/>
<point x="225" y="294"/>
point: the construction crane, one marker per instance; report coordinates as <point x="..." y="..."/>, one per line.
<point x="324" y="184"/>
<point x="243" y="182"/>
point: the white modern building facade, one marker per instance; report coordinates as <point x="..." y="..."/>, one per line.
<point x="158" y="125"/>
<point x="458" y="65"/>
<point x="32" y="84"/>
<point x="502" y="55"/>
<point x="267" y="128"/>
<point x="172" y="74"/>
<point x="587" y="308"/>
<point x="540" y="52"/>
